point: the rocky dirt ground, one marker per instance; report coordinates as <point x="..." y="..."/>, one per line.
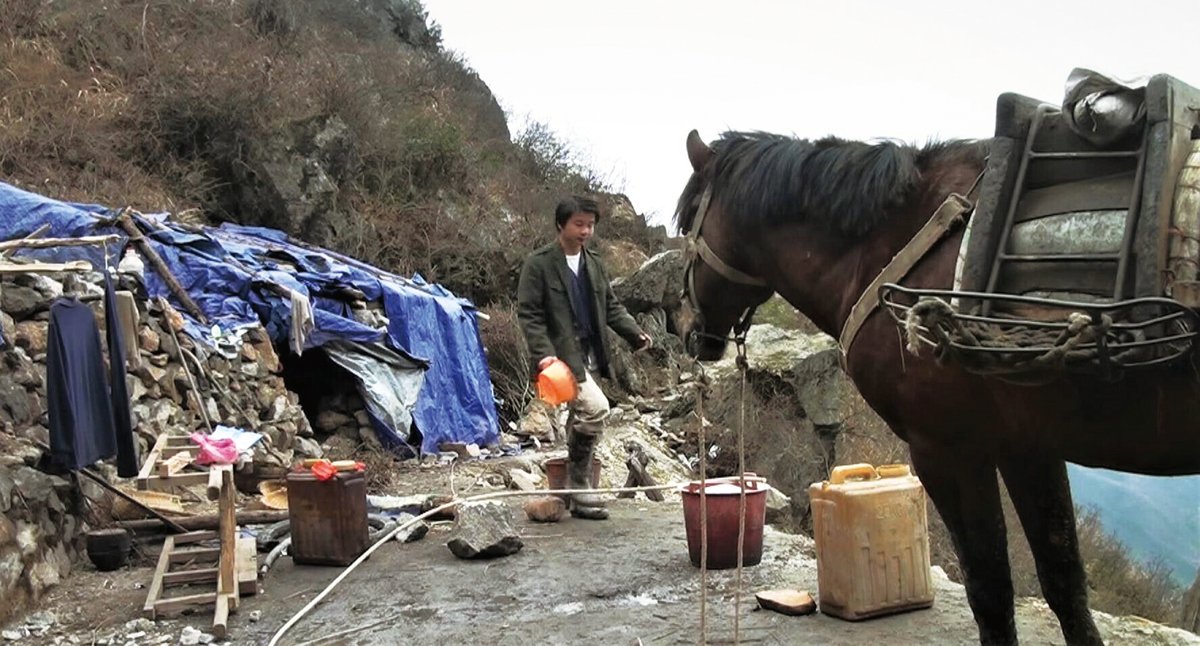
<point x="627" y="580"/>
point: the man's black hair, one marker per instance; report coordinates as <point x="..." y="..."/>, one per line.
<point x="573" y="205"/>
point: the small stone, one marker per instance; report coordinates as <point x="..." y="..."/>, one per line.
<point x="779" y="506"/>
<point x="546" y="509"/>
<point x="159" y="360"/>
<point x="11" y="635"/>
<point x="141" y="623"/>
<point x="31" y="335"/>
<point x="255" y="615"/>
<point x="189" y="636"/>
<point x="249" y="353"/>
<point x="148" y="340"/>
<point x="413" y="532"/>
<point x="329" y="421"/>
<point x="522" y="480"/>
<point x="788" y="602"/>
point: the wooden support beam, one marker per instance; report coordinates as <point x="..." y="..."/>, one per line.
<point x="46" y="243"/>
<point x="227" y="532"/>
<point x="210" y="521"/>
<point x="160" y="267"/>
<point x="195" y="537"/>
<point x="147" y="470"/>
<point x="37" y="233"/>
<point x="45" y="267"/>
<point x="214" y="482"/>
<point x="221" y="615"/>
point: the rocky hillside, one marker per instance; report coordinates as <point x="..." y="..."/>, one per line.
<point x="345" y="123"/>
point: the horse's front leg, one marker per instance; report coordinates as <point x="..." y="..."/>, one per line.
<point x="964" y="489"/>
<point x="1041" y="493"/>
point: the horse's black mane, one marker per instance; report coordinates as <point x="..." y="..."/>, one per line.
<point x="762" y="179"/>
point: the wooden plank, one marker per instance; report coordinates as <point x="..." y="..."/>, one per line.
<point x="194" y="537"/>
<point x="160" y="267"/>
<point x="175" y="464"/>
<point x="196" y="553"/>
<point x="187" y="602"/>
<point x="45" y="243"/>
<point x="210" y="521"/>
<point x="190" y="576"/>
<point x="36" y="233"/>
<point x="156" y="582"/>
<point x="178" y="480"/>
<point x="151" y="460"/>
<point x="45" y="267"/>
<point x="247" y="566"/>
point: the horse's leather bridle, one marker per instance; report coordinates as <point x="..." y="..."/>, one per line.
<point x="698" y="248"/>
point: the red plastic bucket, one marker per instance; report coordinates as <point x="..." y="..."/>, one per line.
<point x="722" y="502"/>
<point x="556" y="473"/>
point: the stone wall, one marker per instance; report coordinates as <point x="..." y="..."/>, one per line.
<point x="42" y="516"/>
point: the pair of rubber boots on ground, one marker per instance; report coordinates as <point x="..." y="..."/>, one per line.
<point x="580" y="450"/>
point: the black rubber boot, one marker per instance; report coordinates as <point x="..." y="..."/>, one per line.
<point x="580" y="449"/>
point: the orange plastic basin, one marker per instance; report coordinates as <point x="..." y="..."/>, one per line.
<point x="555" y="383"/>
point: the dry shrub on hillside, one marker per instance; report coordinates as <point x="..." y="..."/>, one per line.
<point x="1120" y="584"/>
<point x="508" y="360"/>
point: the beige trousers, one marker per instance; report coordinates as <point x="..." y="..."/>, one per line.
<point x="589" y="409"/>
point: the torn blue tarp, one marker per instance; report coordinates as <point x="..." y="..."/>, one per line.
<point x="389" y="382"/>
<point x="241" y="276"/>
<point x="22" y="213"/>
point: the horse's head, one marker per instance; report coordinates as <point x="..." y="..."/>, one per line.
<point x="722" y="297"/>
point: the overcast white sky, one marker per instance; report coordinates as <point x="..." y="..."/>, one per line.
<point x="624" y="80"/>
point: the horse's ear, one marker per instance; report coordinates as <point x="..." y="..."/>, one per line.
<point x="698" y="152"/>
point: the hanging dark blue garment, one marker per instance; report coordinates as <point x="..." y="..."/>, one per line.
<point x="81" y="421"/>
<point x="127" y="457"/>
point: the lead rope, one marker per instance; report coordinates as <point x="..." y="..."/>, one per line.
<point x="703" y="507"/>
<point x="743" y="365"/>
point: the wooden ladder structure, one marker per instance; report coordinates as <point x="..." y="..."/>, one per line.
<point x="1030" y="158"/>
<point x="165" y="464"/>
<point x="185" y="561"/>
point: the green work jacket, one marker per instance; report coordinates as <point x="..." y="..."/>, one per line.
<point x="547" y="316"/>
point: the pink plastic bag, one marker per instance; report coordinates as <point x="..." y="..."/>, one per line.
<point x="222" y="451"/>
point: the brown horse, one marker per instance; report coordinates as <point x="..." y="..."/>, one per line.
<point x="816" y="222"/>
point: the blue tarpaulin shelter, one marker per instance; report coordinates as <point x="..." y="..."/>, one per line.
<point x="240" y="276"/>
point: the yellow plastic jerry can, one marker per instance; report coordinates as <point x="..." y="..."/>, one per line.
<point x="872" y="541"/>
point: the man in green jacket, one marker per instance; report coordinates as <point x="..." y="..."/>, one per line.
<point x="564" y="300"/>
